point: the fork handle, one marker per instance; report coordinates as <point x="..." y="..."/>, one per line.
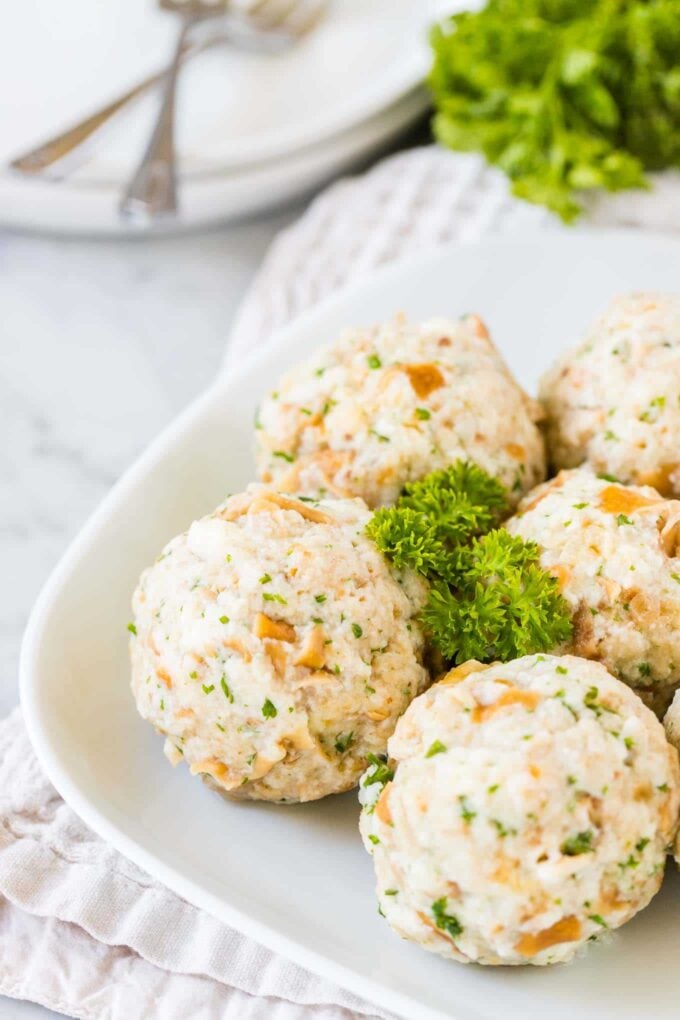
<point x="56" y="148"/>
<point x="41" y="158"/>
<point x="152" y="191"/>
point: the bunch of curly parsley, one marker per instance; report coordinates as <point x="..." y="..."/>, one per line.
<point x="489" y="598"/>
<point x="563" y="95"/>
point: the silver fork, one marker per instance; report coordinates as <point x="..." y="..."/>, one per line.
<point x="65" y="150"/>
<point x="152" y="191"/>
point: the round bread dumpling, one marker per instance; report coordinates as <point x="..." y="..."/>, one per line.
<point x="274" y="646"/>
<point x="614" y="401"/>
<point x="614" y="551"/>
<point x="526" y="808"/>
<point x="385" y="406"/>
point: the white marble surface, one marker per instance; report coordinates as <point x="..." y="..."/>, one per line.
<point x="101" y="344"/>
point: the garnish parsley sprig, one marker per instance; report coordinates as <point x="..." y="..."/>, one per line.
<point x="489" y="597"/>
<point x="436" y="517"/>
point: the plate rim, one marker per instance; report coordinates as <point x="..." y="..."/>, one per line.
<point x="389" y="90"/>
<point x="36" y="724"/>
<point x="83" y="209"/>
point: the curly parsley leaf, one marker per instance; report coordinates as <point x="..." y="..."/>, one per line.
<point x="436" y="516"/>
<point x="503" y="605"/>
<point x="408" y="538"/>
<point x="489" y="598"/>
<point x="463" y="497"/>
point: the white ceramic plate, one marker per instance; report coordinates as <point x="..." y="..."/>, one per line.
<point x="297" y="878"/>
<point x="74" y="207"/>
<point x="235" y="107"/>
<point x="236" y="110"/>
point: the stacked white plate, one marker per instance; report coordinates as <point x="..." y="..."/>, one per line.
<point x="253" y="130"/>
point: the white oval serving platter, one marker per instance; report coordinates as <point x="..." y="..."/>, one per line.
<point x="297" y="878"/>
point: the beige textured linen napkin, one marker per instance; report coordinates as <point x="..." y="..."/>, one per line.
<point x="87" y="932"/>
<point x="83" y="930"/>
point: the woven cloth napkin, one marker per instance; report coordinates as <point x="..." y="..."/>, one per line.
<point x="83" y="930"/>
